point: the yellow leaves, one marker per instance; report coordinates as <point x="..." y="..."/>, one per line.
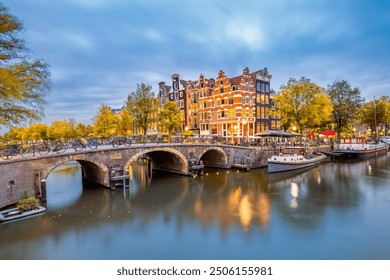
<point x="303" y="103"/>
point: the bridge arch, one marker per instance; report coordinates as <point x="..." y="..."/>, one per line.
<point x="163" y="158"/>
<point x="214" y="157"/>
<point x="96" y="172"/>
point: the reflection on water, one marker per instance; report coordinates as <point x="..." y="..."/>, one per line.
<point x="64" y="185"/>
<point x="333" y="211"/>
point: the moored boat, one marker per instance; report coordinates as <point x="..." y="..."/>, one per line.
<point x="12" y="214"/>
<point x="357" y="147"/>
<point x="294" y="158"/>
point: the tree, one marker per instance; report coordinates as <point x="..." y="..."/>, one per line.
<point x="303" y="103"/>
<point x="105" y="123"/>
<point x="345" y="101"/>
<point x="81" y="131"/>
<point x="60" y="130"/>
<point x="24" y="81"/>
<point x="170" y="117"/>
<point x="125" y="123"/>
<point x="372" y="113"/>
<point x="386" y="120"/>
<point x="142" y="105"/>
<point x="35" y="132"/>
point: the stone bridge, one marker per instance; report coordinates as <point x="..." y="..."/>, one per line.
<point x="21" y="175"/>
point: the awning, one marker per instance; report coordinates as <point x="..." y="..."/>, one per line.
<point x="328" y="133"/>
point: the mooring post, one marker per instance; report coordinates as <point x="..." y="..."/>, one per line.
<point x="43" y="191"/>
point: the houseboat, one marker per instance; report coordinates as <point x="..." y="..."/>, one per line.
<point x="358" y="147"/>
<point x="294" y="158"/>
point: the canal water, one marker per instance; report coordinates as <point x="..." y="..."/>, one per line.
<point x="338" y="210"/>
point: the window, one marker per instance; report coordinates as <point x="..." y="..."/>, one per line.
<point x="171" y="96"/>
<point x="267" y="87"/>
<point x="258" y="86"/>
<point x="212" y="85"/>
<point x="201" y="85"/>
<point x="247" y="88"/>
<point x="243" y="100"/>
<point x="234" y="88"/>
<point x="231" y="101"/>
<point x="262" y="87"/>
<point x="213" y="104"/>
<point x="222" y="101"/>
<point x="221" y="82"/>
<point x="181" y="103"/>
<point x="204" y="104"/>
<point x="221" y="90"/>
<point x="258" y="98"/>
<point x="181" y="94"/>
<point x="223" y="114"/>
<point x="258" y="113"/>
<point x="246" y="79"/>
<point x="176" y="95"/>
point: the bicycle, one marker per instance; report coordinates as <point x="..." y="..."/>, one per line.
<point x="121" y="141"/>
<point x="58" y="146"/>
<point x="32" y="148"/>
<point x="10" y="151"/>
<point x="78" y="144"/>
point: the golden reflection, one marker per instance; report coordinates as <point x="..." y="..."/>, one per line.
<point x="245" y="212"/>
<point x="264" y="209"/>
<point x="318" y="175"/>
<point x="198" y="206"/>
<point x="234" y="197"/>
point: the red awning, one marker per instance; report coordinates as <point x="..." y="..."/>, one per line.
<point x="328" y="133"/>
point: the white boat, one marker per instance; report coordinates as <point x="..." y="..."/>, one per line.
<point x="12" y="214"/>
<point x="357" y="147"/>
<point x="293" y="158"/>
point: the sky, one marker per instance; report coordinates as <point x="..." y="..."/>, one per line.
<point x="99" y="50"/>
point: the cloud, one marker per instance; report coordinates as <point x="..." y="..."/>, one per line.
<point x="247" y="33"/>
<point x="153" y="35"/>
<point x="109" y="46"/>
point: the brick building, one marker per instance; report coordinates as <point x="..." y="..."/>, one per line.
<point x="235" y="108"/>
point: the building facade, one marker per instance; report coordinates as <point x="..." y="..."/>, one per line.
<point x="177" y="93"/>
<point x="234" y="108"/>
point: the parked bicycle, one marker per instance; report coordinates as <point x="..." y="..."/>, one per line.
<point x="58" y="146"/>
<point x="118" y="141"/>
<point x="30" y="149"/>
<point x="10" y="151"/>
<point x="78" y="144"/>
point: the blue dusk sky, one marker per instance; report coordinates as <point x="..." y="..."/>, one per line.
<point x="98" y="50"/>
